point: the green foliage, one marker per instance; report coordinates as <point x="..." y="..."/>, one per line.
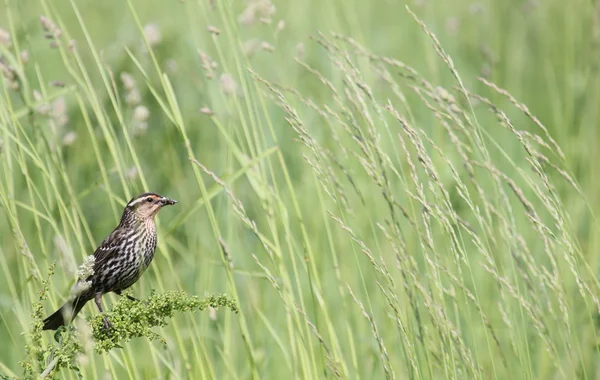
<point x="129" y="319"/>
<point x="43" y="360"/>
<point x="34" y="349"/>
<point x="132" y="319"/>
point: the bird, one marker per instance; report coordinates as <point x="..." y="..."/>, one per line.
<point x="118" y="262"/>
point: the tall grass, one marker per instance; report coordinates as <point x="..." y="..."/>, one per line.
<point x="365" y="189"/>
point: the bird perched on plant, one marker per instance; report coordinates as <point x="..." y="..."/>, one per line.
<point x="120" y="259"/>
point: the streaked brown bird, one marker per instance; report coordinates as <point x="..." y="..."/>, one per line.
<point x="120" y="259"/>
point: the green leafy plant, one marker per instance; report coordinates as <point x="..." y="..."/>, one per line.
<point x="42" y="360"/>
<point x="132" y="319"/>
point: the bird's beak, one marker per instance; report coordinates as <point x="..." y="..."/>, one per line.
<point x="168" y="202"/>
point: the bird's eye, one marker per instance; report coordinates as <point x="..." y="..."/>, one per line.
<point x="149" y="199"/>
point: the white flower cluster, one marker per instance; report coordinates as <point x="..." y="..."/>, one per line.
<point x="83" y="273"/>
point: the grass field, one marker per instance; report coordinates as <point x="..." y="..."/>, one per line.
<point x="385" y="189"/>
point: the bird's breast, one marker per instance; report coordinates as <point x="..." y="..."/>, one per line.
<point x="147" y="246"/>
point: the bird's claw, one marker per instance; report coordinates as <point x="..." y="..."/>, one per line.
<point x="143" y="302"/>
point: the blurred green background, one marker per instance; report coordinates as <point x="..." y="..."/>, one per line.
<point x="79" y="138"/>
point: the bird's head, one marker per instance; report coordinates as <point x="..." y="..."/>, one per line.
<point x="145" y="206"/>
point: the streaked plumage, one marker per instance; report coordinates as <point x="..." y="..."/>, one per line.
<point x="120" y="259"/>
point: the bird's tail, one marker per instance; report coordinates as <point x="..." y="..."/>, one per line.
<point x="65" y="314"/>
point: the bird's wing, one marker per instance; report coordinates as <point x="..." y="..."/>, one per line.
<point x="108" y="248"/>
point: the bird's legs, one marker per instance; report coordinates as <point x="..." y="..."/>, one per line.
<point x="106" y="322"/>
<point x="131" y="298"/>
